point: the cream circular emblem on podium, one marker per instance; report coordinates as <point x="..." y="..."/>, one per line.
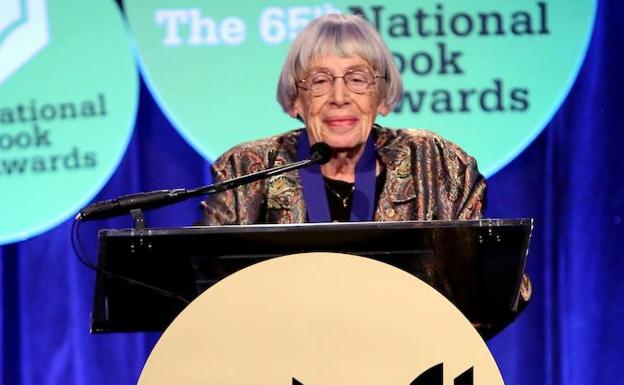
<point x="321" y="319"/>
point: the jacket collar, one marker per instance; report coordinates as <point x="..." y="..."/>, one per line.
<point x="284" y="191"/>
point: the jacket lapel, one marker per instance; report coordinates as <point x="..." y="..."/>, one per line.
<point x="284" y="194"/>
<point x="399" y="193"/>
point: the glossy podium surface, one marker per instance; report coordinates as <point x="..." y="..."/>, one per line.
<point x="477" y="265"/>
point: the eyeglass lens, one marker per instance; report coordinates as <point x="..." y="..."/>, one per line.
<point x="356" y="81"/>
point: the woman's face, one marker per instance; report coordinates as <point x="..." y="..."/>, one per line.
<point x="341" y="118"/>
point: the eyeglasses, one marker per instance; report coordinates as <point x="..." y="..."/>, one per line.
<point x="357" y="80"/>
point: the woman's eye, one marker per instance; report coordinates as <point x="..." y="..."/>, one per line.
<point x="319" y="79"/>
<point x="357" y="78"/>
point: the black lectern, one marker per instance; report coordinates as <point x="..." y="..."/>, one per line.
<point x="477" y="265"/>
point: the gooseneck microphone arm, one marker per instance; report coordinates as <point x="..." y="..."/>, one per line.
<point x="321" y="153"/>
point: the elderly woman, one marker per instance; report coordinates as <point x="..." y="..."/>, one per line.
<point x="338" y="76"/>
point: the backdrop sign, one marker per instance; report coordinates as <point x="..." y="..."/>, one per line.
<point x="68" y="98"/>
<point x="486" y="75"/>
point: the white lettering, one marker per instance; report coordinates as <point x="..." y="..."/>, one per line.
<point x="278" y="24"/>
<point x="298" y="17"/>
<point x="201" y="30"/>
<point x="233" y="30"/>
<point x="171" y="18"/>
<point x="272" y="28"/>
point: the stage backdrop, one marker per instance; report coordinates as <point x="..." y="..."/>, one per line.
<point x="568" y="179"/>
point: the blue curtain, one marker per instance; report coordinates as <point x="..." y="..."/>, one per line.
<point x="569" y="180"/>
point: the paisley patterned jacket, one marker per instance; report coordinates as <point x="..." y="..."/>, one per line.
<point x="427" y="178"/>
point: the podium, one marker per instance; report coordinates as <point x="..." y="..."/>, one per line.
<point x="477" y="264"/>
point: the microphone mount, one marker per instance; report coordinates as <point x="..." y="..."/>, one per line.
<point x="321" y="153"/>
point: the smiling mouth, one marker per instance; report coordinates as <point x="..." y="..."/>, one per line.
<point x="339" y="122"/>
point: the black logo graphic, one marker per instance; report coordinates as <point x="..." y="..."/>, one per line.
<point x="432" y="376"/>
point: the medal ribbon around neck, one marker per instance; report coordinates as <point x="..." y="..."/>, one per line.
<point x="314" y="190"/>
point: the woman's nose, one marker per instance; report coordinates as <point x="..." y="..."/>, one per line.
<point x="339" y="92"/>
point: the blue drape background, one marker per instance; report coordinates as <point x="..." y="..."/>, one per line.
<point x="569" y="180"/>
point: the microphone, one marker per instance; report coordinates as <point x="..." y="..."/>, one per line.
<point x="321" y="153"/>
<point x="123" y="204"/>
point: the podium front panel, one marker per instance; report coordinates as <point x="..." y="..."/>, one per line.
<point x="477" y="265"/>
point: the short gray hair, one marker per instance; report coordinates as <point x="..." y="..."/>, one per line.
<point x="344" y="36"/>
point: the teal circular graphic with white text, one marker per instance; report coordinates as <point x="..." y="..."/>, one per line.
<point x="486" y="75"/>
<point x="68" y="100"/>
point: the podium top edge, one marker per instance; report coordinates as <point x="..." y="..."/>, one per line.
<point x="197" y="230"/>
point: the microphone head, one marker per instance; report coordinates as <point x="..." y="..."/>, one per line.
<point x="321" y="152"/>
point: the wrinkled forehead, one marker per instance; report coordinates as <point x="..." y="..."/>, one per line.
<point x="341" y="42"/>
<point x="338" y="65"/>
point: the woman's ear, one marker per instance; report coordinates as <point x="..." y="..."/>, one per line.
<point x="296" y="110"/>
<point x="383" y="109"/>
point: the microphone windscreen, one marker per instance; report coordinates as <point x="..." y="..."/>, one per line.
<point x="321" y="152"/>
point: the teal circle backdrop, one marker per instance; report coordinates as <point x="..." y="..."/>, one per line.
<point x="486" y="75"/>
<point x="68" y="100"/>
